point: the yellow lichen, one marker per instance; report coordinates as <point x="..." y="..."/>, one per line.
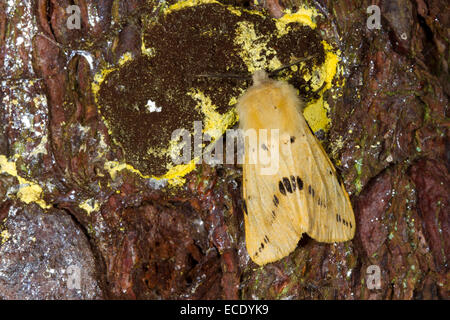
<point x="113" y="167"/>
<point x="174" y="176"/>
<point x="214" y="122"/>
<point x="40" y="148"/>
<point x="4" y="236"/>
<point x="98" y="80"/>
<point x="316" y="113"/>
<point x="28" y="191"/>
<point x="187" y="4"/>
<point x="127" y="56"/>
<point x="234" y="11"/>
<point x="90" y="205"/>
<point x="254" y="49"/>
<point x="101" y="76"/>
<point x="336" y="145"/>
<point x="303" y="16"/>
<point x="192" y="3"/>
<point x="328" y="69"/>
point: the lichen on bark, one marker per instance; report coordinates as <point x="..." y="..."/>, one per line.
<point x="387" y="134"/>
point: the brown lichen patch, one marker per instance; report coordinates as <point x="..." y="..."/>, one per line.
<point x="148" y="98"/>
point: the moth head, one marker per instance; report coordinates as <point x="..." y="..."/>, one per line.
<point x="259" y="77"/>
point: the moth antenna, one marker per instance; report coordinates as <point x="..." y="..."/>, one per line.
<point x="223" y="76"/>
<point x="259" y="75"/>
<point x="274" y="72"/>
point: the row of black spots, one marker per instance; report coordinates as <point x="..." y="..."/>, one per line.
<point x="294" y="185"/>
<point x="299" y="183"/>
<point x="276" y="202"/>
<point x="343" y="221"/>
<point x="286" y="185"/>
<point x="311" y="191"/>
<point x="281" y="188"/>
<point x="321" y="203"/>
<point x="244" y="206"/>
<point x="261" y="247"/>
<point x="274" y="215"/>
<point x="347" y="223"/>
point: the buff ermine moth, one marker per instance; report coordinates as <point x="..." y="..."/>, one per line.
<point x="304" y="193"/>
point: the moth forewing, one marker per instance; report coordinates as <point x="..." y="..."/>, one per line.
<point x="303" y="193"/>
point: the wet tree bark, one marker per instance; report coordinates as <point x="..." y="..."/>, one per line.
<point x="389" y="139"/>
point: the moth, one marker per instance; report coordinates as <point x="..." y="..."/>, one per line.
<point x="304" y="194"/>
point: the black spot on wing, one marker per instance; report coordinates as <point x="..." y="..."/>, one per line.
<point x="311" y="190"/>
<point x="287" y="184"/>
<point x="343" y="221"/>
<point x="294" y="185"/>
<point x="321" y="203"/>
<point x="299" y="183"/>
<point x="264" y="147"/>
<point x="341" y="183"/>
<point x="276" y="202"/>
<point x="292" y="139"/>
<point x="281" y="188"/>
<point x="244" y="206"/>
<point x="261" y="248"/>
<point x="274" y="215"/>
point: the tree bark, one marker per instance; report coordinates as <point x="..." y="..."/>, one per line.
<point x="388" y="138"/>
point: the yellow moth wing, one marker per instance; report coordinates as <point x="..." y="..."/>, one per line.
<point x="331" y="216"/>
<point x="272" y="224"/>
<point x="304" y="194"/>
